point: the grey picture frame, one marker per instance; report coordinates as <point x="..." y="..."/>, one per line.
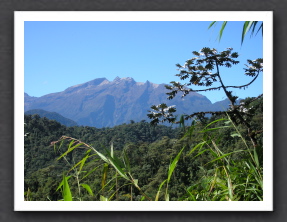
<point x="7" y="89"/>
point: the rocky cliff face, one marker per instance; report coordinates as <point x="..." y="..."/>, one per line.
<point x="103" y="103"/>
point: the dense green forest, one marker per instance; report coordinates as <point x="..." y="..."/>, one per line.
<point x="211" y="159"/>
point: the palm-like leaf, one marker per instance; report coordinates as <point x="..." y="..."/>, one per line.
<point x="248" y="26"/>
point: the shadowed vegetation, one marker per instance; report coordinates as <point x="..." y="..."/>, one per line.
<point x="213" y="160"/>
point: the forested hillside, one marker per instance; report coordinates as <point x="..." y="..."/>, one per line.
<point x="52" y="116"/>
<point x="211" y="160"/>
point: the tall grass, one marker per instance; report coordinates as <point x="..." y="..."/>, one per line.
<point x="122" y="170"/>
<point x="226" y="176"/>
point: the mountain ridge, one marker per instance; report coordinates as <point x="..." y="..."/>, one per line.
<point x="104" y="103"/>
<point x="52" y="116"/>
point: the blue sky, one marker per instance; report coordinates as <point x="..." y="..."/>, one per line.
<point x="61" y="54"/>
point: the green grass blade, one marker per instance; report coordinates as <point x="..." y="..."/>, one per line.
<point x="102" y="198"/>
<point x="111" y="197"/>
<point x="260" y="28"/>
<point x="246" y="28"/>
<point x="126" y="161"/>
<point x="257" y="176"/>
<point x="197" y="146"/>
<point x="215" y="121"/>
<point x="116" y="163"/>
<point x="91" y="171"/>
<point x="230" y="190"/>
<point x="135" y="182"/>
<point x="211" y="24"/>
<point x="107" y="183"/>
<point x="159" y="189"/>
<point x="225" y="155"/>
<point x="256" y="158"/>
<point x="222" y="29"/>
<point x="181" y="122"/>
<point x="192" y="196"/>
<point x="189" y="131"/>
<point x="119" y="169"/>
<point x="67" y="195"/>
<point x="211" y="129"/>
<point x="82" y="162"/>
<point x="62" y="183"/>
<point x="167" y="197"/>
<point x="112" y="150"/>
<point x="57" y="149"/>
<point x="253" y="26"/>
<point x="104" y="175"/>
<point x="235" y="135"/>
<point x="88" y="188"/>
<point x="173" y="164"/>
<point x="70" y="149"/>
<point x="103" y="157"/>
<point x="203" y="151"/>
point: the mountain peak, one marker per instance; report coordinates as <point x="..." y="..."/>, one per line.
<point x="128" y="79"/>
<point x="150" y="84"/>
<point x="117" y="79"/>
<point x="97" y="81"/>
<point x="123" y="79"/>
<point x="104" y="103"/>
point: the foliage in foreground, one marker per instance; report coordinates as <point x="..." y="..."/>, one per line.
<point x="205" y="70"/>
<point x="208" y="161"/>
<point x="248" y="26"/>
<point x="222" y="176"/>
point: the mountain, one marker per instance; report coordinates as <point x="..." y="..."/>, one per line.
<point x="52" y="116"/>
<point x="104" y="103"/>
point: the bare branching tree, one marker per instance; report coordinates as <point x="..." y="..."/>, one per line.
<point x="204" y="70"/>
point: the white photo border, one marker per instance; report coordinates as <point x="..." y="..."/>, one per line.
<point x="21" y="16"/>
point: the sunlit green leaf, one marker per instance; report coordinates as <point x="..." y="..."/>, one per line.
<point x="102" y="198"/>
<point x="173" y="165"/>
<point x="222" y="29"/>
<point x="67" y="195"/>
<point x="159" y="189"/>
<point x="70" y="149"/>
<point x="104" y="175"/>
<point x="88" y="188"/>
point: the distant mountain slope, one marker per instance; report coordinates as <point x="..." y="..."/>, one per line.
<point x="52" y="116"/>
<point x="103" y="103"/>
